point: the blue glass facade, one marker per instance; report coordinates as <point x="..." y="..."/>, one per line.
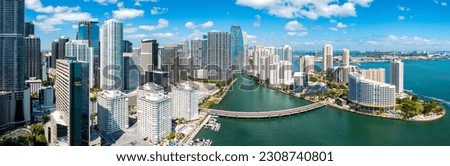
<point x="237" y="46"/>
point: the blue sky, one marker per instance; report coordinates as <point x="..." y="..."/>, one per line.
<point x="305" y="25"/>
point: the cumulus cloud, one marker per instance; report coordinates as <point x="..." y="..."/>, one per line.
<point x="126" y="13"/>
<point x="257" y="22"/>
<point x="130" y="30"/>
<point x="251" y="37"/>
<point x="306" y="8"/>
<point x="162" y="23"/>
<point x="158" y="10"/>
<point x="294" y="26"/>
<point x="444" y="3"/>
<point x="196" y="35"/>
<point x="138" y="2"/>
<point x="51" y="16"/>
<point x="401" y="18"/>
<point x="301" y="34"/>
<point x="341" y="25"/>
<point x="207" y="24"/>
<point x="190" y="25"/>
<point x="403" y="8"/>
<point x="154" y="35"/>
<point x="333" y="29"/>
<point x="106" y="2"/>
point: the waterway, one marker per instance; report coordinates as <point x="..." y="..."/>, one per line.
<point x="328" y="126"/>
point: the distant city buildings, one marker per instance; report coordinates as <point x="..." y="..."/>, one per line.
<point x="396" y="68"/>
<point x="154" y="113"/>
<point x="374" y="74"/>
<point x="368" y="95"/>
<point x="131" y="71"/>
<point x="127" y="46"/>
<point x="345" y="57"/>
<point x="111" y="58"/>
<point x="112" y="108"/>
<point x="184" y="102"/>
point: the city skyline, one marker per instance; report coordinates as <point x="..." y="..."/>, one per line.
<point x="355" y="24"/>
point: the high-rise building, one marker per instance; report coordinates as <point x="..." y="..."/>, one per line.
<point x="131" y="71"/>
<point x="306" y="64"/>
<point x="184" y="102"/>
<point x="83" y="53"/>
<point x="90" y="31"/>
<point x="219" y="55"/>
<point x="287" y="53"/>
<point x="54" y="54"/>
<point x="237" y="47"/>
<point x="154" y="113"/>
<point x="345" y="57"/>
<point x="300" y="80"/>
<point x="112" y="108"/>
<point x="198" y="53"/>
<point x="72" y="99"/>
<point x="327" y="60"/>
<point x="340" y="73"/>
<point x="127" y="46"/>
<point x="33" y="63"/>
<point x="149" y="60"/>
<point x="264" y="68"/>
<point x="12" y="59"/>
<point x="274" y="69"/>
<point x="171" y="61"/>
<point x="62" y="47"/>
<point x="285" y="73"/>
<point x="29" y="29"/>
<point x="368" y="95"/>
<point x="111" y="58"/>
<point x="396" y="68"/>
<point x="374" y="74"/>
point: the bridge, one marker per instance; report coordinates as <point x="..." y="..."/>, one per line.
<point x="266" y="114"/>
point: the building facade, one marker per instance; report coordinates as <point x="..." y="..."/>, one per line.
<point x="149" y="60"/>
<point x="184" y="102"/>
<point x="219" y="55"/>
<point x="345" y="57"/>
<point x="307" y="64"/>
<point x="327" y="59"/>
<point x="83" y="53"/>
<point x="367" y="95"/>
<point x="154" y="113"/>
<point x="112" y="108"/>
<point x="378" y="75"/>
<point x="111" y="58"/>
<point x="33" y="63"/>
<point x="396" y="68"/>
<point x="131" y="71"/>
<point x="237" y="47"/>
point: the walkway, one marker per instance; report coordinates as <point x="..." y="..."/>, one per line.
<point x="266" y="114"/>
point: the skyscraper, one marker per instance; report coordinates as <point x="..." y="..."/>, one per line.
<point x="327" y="57"/>
<point x="171" y="62"/>
<point x="287" y="53"/>
<point x="237" y="47"/>
<point x="154" y="113"/>
<point x="219" y="55"/>
<point x="131" y="71"/>
<point x="72" y="99"/>
<point x="149" y="60"/>
<point x="89" y="30"/>
<point x="111" y="66"/>
<point x="127" y="46"/>
<point x="396" y="68"/>
<point x="345" y="57"/>
<point x="112" y="107"/>
<point x="33" y="63"/>
<point x="374" y="74"/>
<point x="12" y="75"/>
<point x="29" y="29"/>
<point x="62" y="47"/>
<point x="54" y="54"/>
<point x="198" y="53"/>
<point x="306" y="64"/>
<point x="83" y="53"/>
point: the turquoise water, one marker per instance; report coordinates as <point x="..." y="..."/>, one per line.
<point x="328" y="126"/>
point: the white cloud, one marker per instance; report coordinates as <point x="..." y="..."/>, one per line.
<point x="207" y="24"/>
<point x="55" y="15"/>
<point x="294" y="26"/>
<point x="363" y="3"/>
<point x="162" y="23"/>
<point x="392" y="40"/>
<point x="333" y="29"/>
<point x="436" y="1"/>
<point x="130" y="30"/>
<point x="257" y="22"/>
<point x="196" y="35"/>
<point x="444" y="3"/>
<point x="106" y="2"/>
<point x="74" y="26"/>
<point x="154" y="35"/>
<point x="333" y="21"/>
<point x="138" y="2"/>
<point x="129" y="24"/>
<point x="340" y="25"/>
<point x="158" y="10"/>
<point x="306" y="8"/>
<point x="126" y="13"/>
<point x="403" y="8"/>
<point x="301" y="34"/>
<point x="190" y="25"/>
<point x="251" y="37"/>
<point x="401" y="18"/>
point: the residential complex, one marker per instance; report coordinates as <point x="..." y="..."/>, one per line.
<point x="112" y="108"/>
<point x="111" y="57"/>
<point x="374" y="74"/>
<point x="184" y="102"/>
<point x="396" y="68"/>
